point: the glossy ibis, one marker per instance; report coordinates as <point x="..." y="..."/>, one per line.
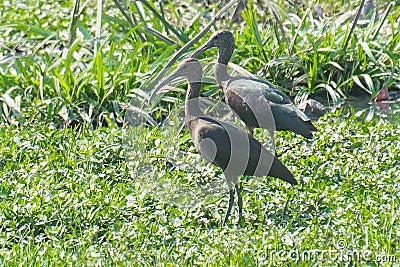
<point x="250" y="98"/>
<point x="224" y="145"/>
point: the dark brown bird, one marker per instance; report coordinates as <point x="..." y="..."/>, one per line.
<point x="252" y="99"/>
<point x="224" y="145"/>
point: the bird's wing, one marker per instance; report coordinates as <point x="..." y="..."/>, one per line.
<point x="237" y="152"/>
<point x="215" y="139"/>
<point x="248" y="87"/>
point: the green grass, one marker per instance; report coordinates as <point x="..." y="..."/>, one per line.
<point x="76" y="193"/>
<point x="91" y="62"/>
<point x="68" y="198"/>
<point x="322" y="57"/>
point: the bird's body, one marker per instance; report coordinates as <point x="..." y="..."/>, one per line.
<point x="255" y="162"/>
<point x="224" y="145"/>
<point x="253" y="99"/>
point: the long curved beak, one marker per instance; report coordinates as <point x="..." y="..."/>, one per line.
<point x="164" y="82"/>
<point x="201" y="49"/>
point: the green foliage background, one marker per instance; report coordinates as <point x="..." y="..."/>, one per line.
<point x="74" y="192"/>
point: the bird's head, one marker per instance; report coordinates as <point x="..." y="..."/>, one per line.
<point x="189" y="68"/>
<point x="221" y="39"/>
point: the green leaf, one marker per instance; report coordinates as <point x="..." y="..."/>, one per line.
<point x="336" y="65"/>
<point x="367" y="50"/>
<point x="359" y="83"/>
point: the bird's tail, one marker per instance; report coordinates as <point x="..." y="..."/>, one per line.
<point x="288" y="117"/>
<point x="280" y="171"/>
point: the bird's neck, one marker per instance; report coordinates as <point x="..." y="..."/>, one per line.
<point x="221" y="73"/>
<point x="192" y="103"/>
<point x="221" y="67"/>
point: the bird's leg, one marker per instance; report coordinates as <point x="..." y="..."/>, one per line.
<point x="228" y="212"/>
<point x="240" y="201"/>
<point x="250" y="129"/>
<point x="272" y="135"/>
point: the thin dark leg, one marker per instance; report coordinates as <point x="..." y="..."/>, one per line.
<point x="251" y="130"/>
<point x="240" y="200"/>
<point x="272" y="134"/>
<point x="228" y="212"/>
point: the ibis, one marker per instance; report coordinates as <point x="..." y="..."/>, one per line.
<point x="254" y="100"/>
<point x="226" y="146"/>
